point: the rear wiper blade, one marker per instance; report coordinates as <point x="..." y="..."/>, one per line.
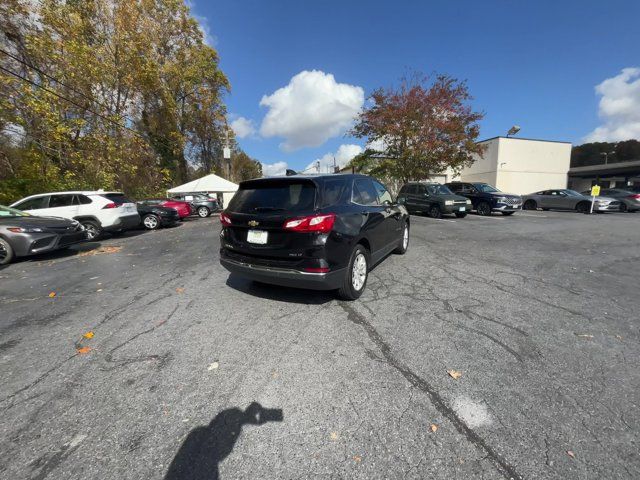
<point x="268" y="209"/>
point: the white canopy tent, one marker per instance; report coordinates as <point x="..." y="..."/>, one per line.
<point x="208" y="184"/>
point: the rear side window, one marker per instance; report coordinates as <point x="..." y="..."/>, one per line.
<point x="364" y="192"/>
<point x="117" y="198"/>
<point x="333" y="191"/>
<point x="33" y="203"/>
<point x="82" y="200"/>
<point x="60" y="201"/>
<point x="413" y="189"/>
<point x="296" y="196"/>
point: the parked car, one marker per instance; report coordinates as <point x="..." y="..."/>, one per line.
<point x="566" y="199"/>
<point x="95" y="210"/>
<point x="184" y="209"/>
<point x="320" y="232"/>
<point x="204" y="205"/>
<point x="153" y="217"/>
<point x="629" y="201"/>
<point x="433" y="199"/>
<point x="22" y="234"/>
<point x="486" y="199"/>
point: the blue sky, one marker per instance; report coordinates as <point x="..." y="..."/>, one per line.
<point x="531" y="63"/>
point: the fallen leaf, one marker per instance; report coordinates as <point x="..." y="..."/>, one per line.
<point x="52" y="294"/>
<point x="83" y="350"/>
<point x="101" y="250"/>
<point x="180" y="290"/>
<point x="583" y="335"/>
<point x="274" y="375"/>
<point x="357" y="458"/>
<point x="213" y="366"/>
<point x="88" y="335"/>
<point x="433" y="427"/>
<point x="455" y="374"/>
<point x="333" y="435"/>
<point x="571" y="454"/>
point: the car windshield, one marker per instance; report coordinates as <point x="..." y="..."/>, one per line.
<point x="485" y="188"/>
<point x="572" y="193"/>
<point x="11" y="212"/>
<point x="438" y="190"/>
<point x="289" y="196"/>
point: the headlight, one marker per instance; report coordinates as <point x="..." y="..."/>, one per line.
<point x="448" y="202"/>
<point x="26" y="230"/>
<point x="501" y="199"/>
<point x="468" y="202"/>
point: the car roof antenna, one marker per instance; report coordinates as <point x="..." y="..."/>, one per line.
<point x="290" y="172"/>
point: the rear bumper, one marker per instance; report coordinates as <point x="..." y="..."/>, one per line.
<point x="125" y="222"/>
<point x="284" y="277"/>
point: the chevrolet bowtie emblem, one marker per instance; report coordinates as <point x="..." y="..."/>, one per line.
<point x="253" y="223"/>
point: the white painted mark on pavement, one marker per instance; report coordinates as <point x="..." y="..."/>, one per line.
<point x="474" y="414"/>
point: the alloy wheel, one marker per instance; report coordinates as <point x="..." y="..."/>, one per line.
<point x="359" y="272"/>
<point x="151" y="222"/>
<point x="92" y="231"/>
<point x="203" y="212"/>
<point x="3" y="252"/>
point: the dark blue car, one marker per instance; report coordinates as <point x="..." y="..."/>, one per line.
<point x="486" y="199"/>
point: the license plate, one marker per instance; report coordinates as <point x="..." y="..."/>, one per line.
<point x="257" y="236"/>
<point x="462" y="209"/>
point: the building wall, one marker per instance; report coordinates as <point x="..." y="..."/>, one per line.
<point x="484" y="168"/>
<point x="521" y="166"/>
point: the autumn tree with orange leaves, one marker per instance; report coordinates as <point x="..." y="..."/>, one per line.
<point x="418" y="129"/>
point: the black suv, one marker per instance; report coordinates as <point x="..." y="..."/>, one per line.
<point x="433" y="199"/>
<point x="320" y="232"/>
<point x="486" y="199"/>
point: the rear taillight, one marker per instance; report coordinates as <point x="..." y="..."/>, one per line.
<point x="312" y="223"/>
<point x="225" y="220"/>
<point x="317" y="270"/>
<point x="110" y="205"/>
<point x="636" y="196"/>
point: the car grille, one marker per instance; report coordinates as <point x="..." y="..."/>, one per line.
<point x="512" y="201"/>
<point x="72" y="238"/>
<point x="459" y="202"/>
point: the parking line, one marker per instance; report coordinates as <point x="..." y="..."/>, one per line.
<point x="486" y="218"/>
<point x="440" y="219"/>
<point x="530" y="215"/>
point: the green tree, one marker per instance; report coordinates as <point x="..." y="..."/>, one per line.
<point x="244" y="167"/>
<point x="418" y="129"/>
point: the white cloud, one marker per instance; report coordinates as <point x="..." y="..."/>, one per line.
<point x="312" y="108"/>
<point x="274" y="169"/>
<point x="619" y="108"/>
<point x="343" y="156"/>
<point x="243" y="127"/>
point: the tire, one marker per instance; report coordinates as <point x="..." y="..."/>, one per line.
<point x="348" y="291"/>
<point x="151" y="222"/>
<point x="623" y="208"/>
<point x="434" y="211"/>
<point x="94" y="230"/>
<point x="506" y="214"/>
<point x="203" y="212"/>
<point x="404" y="241"/>
<point x="530" y="205"/>
<point x="460" y="215"/>
<point x="6" y="252"/>
<point x="583" y="207"/>
<point x="484" y="209"/>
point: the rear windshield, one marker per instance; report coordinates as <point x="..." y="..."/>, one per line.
<point x="274" y="197"/>
<point x="117" y="198"/>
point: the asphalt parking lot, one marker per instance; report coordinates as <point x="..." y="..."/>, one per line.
<point x="194" y="374"/>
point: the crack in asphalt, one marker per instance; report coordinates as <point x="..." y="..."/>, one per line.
<point x="503" y="467"/>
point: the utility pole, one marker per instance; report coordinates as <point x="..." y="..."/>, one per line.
<point x="335" y="170"/>
<point x="226" y="151"/>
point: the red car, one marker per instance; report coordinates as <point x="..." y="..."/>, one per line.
<point x="183" y="208"/>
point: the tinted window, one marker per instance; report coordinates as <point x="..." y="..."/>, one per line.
<point x="33" y="203"/>
<point x="117" y="198"/>
<point x="290" y="196"/>
<point x="404" y="189"/>
<point x="382" y="192"/>
<point x="413" y="189"/>
<point x="60" y="201"/>
<point x="82" y="200"/>
<point x="364" y="193"/>
<point x="333" y="190"/>
<point x="486" y="188"/>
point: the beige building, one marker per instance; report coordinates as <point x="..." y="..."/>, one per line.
<point x="521" y="165"/>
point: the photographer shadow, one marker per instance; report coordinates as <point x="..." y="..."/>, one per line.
<point x="206" y="446"/>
